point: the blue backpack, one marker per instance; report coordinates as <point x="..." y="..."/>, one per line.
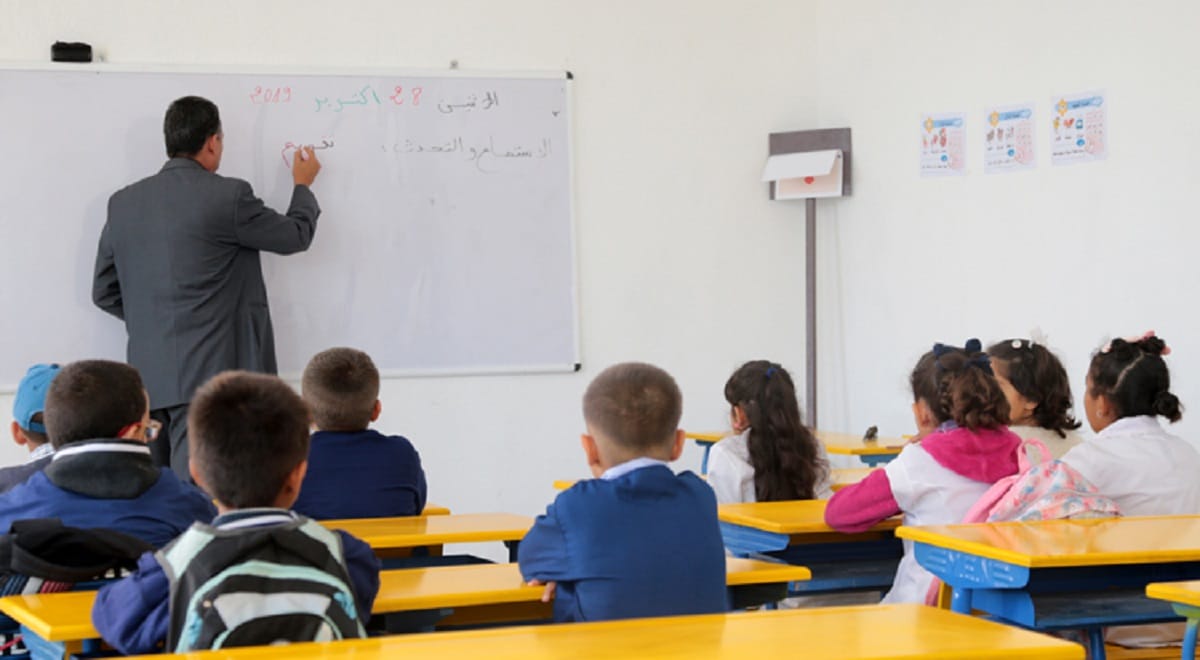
<point x="254" y="586"/>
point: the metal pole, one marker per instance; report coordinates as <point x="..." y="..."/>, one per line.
<point x="810" y="311"/>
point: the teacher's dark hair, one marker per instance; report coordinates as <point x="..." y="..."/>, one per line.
<point x="93" y="399"/>
<point x="190" y="121"/>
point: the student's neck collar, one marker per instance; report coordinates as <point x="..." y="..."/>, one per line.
<point x="638" y="463"/>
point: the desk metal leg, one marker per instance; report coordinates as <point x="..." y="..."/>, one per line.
<point x="704" y="461"/>
<point x="1096" y="644"/>
<point x="513" y="547"/>
<point x="1189" y="640"/>
<point x="960" y="601"/>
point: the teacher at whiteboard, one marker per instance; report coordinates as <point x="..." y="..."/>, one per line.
<point x="178" y="262"/>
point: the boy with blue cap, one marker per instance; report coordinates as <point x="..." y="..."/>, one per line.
<point x="28" y="427"/>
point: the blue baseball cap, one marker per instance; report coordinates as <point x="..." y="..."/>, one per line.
<point x="31" y="396"/>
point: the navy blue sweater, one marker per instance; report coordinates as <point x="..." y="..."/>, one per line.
<point x="361" y="474"/>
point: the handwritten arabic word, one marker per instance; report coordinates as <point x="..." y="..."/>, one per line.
<point x="364" y="96"/>
<point x="398" y="96"/>
<point x="271" y="95"/>
<point x="470" y="103"/>
<point x="289" y="148"/>
<point x="484" y="155"/>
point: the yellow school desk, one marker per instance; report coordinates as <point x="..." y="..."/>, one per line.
<point x="872" y="452"/>
<point x="1184" y="598"/>
<point x="1062" y="574"/>
<point x="432" y="509"/>
<point x="480" y="593"/>
<point x="795" y="531"/>
<point x="894" y="632"/>
<point x="386" y="535"/>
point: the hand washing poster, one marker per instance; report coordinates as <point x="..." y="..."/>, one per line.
<point x="1079" y="126"/>
<point x="1008" y="144"/>
<point x="943" y="145"/>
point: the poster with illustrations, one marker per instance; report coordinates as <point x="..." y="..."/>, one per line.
<point x="1079" y="128"/>
<point x="1008" y="142"/>
<point x="943" y="145"/>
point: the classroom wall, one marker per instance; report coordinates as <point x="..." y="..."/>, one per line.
<point x="682" y="260"/>
<point x="1084" y="251"/>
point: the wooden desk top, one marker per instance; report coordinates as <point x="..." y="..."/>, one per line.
<point x="790" y="517"/>
<point x="842" y="477"/>
<point x="416" y="531"/>
<point x="1051" y="543"/>
<point x="866" y="633"/>
<point x="67" y="616"/>
<point x="835" y="443"/>
<point x="1186" y="593"/>
<point x="854" y="445"/>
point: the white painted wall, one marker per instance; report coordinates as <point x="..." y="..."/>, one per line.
<point x="682" y="260"/>
<point x="1084" y="251"/>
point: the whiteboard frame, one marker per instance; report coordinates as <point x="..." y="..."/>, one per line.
<point x="245" y="69"/>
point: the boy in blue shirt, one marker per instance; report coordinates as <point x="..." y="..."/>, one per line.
<point x="354" y="471"/>
<point x="638" y="540"/>
<point x="28" y="427"/>
<point x="260" y="574"/>
<point x="97" y="416"/>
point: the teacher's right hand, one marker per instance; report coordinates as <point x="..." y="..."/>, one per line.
<point x="305" y="166"/>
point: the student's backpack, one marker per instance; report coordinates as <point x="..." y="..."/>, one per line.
<point x="42" y="556"/>
<point x="258" y="585"/>
<point x="1046" y="490"/>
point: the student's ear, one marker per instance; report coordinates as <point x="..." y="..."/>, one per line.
<point x="592" y="451"/>
<point x="196" y="475"/>
<point x="740" y="421"/>
<point x="923" y="417"/>
<point x="19" y="435"/>
<point x="677" y="448"/>
<point x="291" y="486"/>
<point x="376" y="410"/>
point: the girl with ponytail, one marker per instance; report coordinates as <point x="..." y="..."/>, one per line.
<point x="773" y="457"/>
<point x="1133" y="459"/>
<point x="965" y="447"/>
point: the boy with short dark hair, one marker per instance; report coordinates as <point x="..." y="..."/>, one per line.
<point x="97" y="416"/>
<point x="28" y="427"/>
<point x="638" y="540"/>
<point x="354" y="471"/>
<point x="260" y="574"/>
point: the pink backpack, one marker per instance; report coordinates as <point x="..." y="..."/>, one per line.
<point x="1048" y="490"/>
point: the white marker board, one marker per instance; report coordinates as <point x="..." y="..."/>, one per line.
<point x="445" y="243"/>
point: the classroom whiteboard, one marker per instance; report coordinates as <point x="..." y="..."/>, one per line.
<point x="445" y="242"/>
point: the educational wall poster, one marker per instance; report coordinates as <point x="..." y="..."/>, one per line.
<point x="1080" y="126"/>
<point x="943" y="145"/>
<point x="1008" y="144"/>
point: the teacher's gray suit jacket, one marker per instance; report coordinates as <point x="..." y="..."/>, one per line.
<point x="178" y="262"/>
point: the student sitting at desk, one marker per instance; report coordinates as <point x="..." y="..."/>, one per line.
<point x="1038" y="392"/>
<point x="1133" y="459"/>
<point x="260" y="574"/>
<point x="773" y="457"/>
<point x="98" y="419"/>
<point x="354" y="471"/>
<point x="638" y="540"/>
<point x="28" y="427"/>
<point x="965" y="448"/>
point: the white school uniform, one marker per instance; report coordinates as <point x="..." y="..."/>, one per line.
<point x="1149" y="472"/>
<point x="928" y="494"/>
<point x="1057" y="444"/>
<point x="732" y="476"/>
